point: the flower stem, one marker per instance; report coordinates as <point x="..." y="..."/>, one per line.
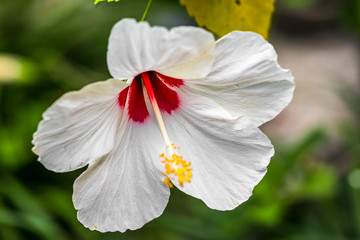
<point x="146" y="11"/>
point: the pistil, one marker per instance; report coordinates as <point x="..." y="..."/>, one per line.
<point x="174" y="164"/>
<point x="157" y="112"/>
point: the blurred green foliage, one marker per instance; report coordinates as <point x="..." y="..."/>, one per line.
<point x="345" y="12"/>
<point x="299" y="4"/>
<point x="351" y="14"/>
<point x="311" y="190"/>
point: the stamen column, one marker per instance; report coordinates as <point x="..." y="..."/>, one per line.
<point x="175" y="164"/>
<point x="157" y="112"/>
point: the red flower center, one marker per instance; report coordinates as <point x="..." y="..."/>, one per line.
<point x="167" y="99"/>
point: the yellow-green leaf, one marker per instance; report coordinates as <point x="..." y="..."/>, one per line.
<point x="97" y="1"/>
<point x="224" y="16"/>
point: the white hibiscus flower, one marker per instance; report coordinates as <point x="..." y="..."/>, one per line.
<point x="182" y="87"/>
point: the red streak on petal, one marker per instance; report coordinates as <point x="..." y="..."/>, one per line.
<point x="172" y="82"/>
<point x="137" y="110"/>
<point x="122" y="97"/>
<point x="167" y="99"/>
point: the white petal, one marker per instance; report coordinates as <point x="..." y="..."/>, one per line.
<point x="228" y="155"/>
<point x="246" y="78"/>
<point x="124" y="189"/>
<point x="79" y="127"/>
<point x="182" y="52"/>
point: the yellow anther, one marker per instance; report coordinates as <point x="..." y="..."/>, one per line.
<point x="95" y="227"/>
<point x="168" y="182"/>
<point x="177" y="166"/>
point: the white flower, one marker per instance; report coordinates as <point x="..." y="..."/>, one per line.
<point x="207" y="97"/>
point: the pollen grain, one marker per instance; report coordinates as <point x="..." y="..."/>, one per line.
<point x="176" y="167"/>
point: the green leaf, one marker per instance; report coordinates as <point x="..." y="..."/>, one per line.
<point x="222" y="17"/>
<point x="34" y="217"/>
<point x="97" y="1"/>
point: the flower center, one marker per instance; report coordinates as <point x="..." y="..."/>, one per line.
<point x="162" y="98"/>
<point x="167" y="99"/>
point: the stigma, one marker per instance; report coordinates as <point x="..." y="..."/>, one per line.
<point x="176" y="168"/>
